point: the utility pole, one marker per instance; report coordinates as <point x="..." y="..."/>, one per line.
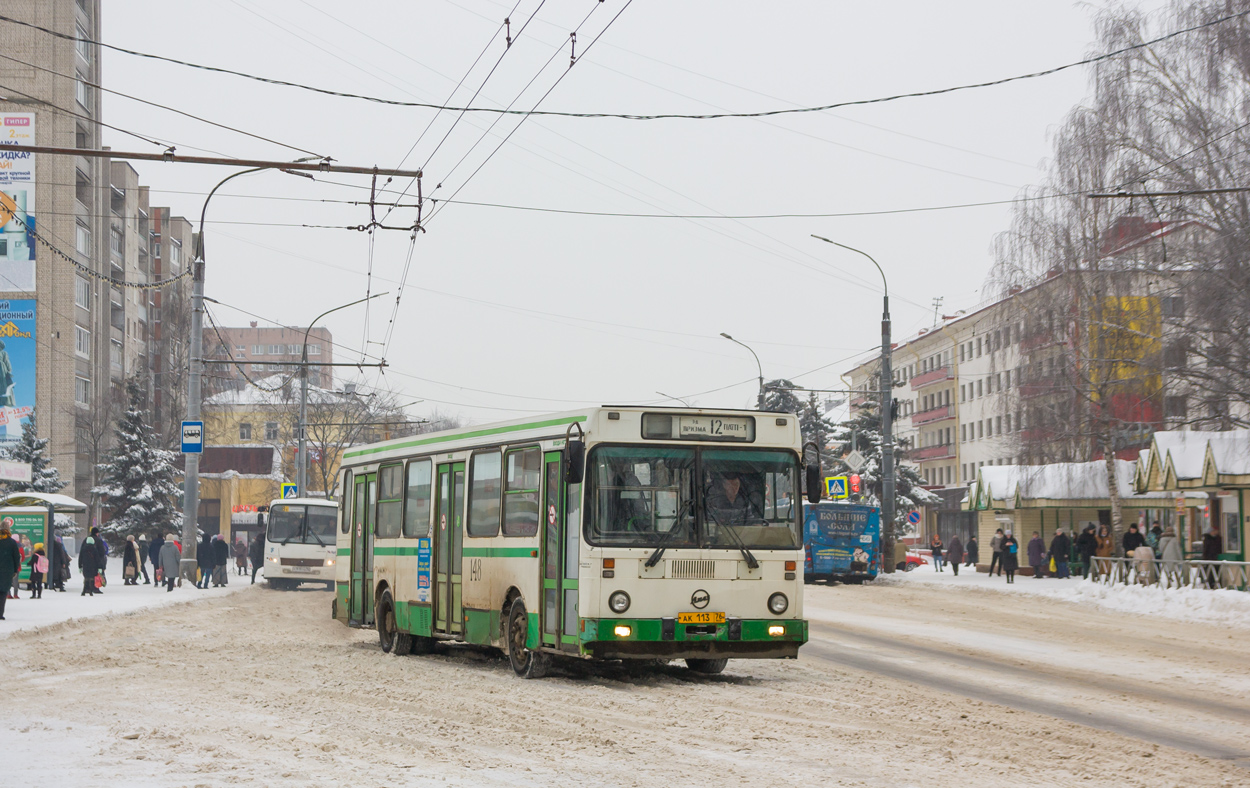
<point x="759" y="399"/>
<point x="887" y="419"/>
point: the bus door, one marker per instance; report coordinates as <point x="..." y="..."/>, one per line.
<point x="559" y="602"/>
<point x="362" y="547"/>
<point x="449" y="547"/>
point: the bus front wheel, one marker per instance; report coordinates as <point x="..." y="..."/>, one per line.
<point x="708" y="667"/>
<point x="526" y="663"/>
<point x="392" y="640"/>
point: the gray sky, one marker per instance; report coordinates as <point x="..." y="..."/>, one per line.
<point x="549" y="311"/>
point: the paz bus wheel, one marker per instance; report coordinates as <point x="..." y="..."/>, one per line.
<point x="526" y="663"/>
<point x="392" y="640"/>
<point x="708" y="667"/>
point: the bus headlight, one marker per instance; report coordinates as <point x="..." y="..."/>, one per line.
<point x="329" y="562"/>
<point x="778" y="604"/>
<point x="272" y="558"/>
<point x="619" y="602"/>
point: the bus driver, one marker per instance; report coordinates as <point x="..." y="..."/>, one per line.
<point x="727" y="503"/>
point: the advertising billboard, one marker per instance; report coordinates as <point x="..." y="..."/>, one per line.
<point x="17" y="203"/>
<point x="17" y="367"/>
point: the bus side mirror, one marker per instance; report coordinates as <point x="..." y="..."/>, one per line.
<point x="813" y="484"/>
<point x="576" y="469"/>
<point x="260" y="519"/>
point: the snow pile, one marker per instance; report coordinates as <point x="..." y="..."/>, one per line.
<point x="117" y="600"/>
<point x="1224" y="607"/>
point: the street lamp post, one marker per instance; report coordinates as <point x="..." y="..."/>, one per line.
<point x="670" y="396"/>
<point x="759" y="400"/>
<point x="887" y="417"/>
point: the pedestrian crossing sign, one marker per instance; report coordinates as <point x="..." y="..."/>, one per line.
<point x="836" y="487"/>
<point x="290" y="491"/>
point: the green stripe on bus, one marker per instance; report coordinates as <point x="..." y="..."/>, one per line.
<point x="465" y="435"/>
<point x="500" y="552"/>
<point x="345" y="551"/>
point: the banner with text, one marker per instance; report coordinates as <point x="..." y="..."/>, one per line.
<point x="17" y="203"/>
<point x="17" y="367"/>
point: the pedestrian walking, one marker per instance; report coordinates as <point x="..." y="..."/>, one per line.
<point x="60" y="564"/>
<point x="1153" y="537"/>
<point x="168" y="562"/>
<point x="13" y="587"/>
<point x="102" y="556"/>
<point x="1173" y="556"/>
<point x="1011" y="556"/>
<point x="221" y="560"/>
<point x="971" y="554"/>
<point x="257" y="553"/>
<point x="1132" y="540"/>
<point x="955" y="554"/>
<point x="996" y="557"/>
<point x="1212" y="546"/>
<point x="1037" y="556"/>
<point x="1106" y="542"/>
<point x="1086" y="546"/>
<point x="935" y="547"/>
<point x="154" y="556"/>
<point x="89" y="566"/>
<point x="38" y="563"/>
<point x="142" y="552"/>
<point x="10" y="563"/>
<point x="1060" y="546"/>
<point x="240" y="557"/>
<point x="204" y="560"/>
<point x="130" y="562"/>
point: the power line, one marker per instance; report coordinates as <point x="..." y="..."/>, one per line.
<point x="623" y="116"/>
<point x="95" y="274"/>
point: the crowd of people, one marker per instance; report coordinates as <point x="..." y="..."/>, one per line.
<point x="50" y="569"/>
<point x="1055" y="559"/>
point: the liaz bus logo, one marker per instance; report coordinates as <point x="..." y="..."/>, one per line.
<point x="699" y="599"/>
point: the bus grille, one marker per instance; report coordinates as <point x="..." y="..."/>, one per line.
<point x="691" y="569"/>
<point x="303" y="562"/>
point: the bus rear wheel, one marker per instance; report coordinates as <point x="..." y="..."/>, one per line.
<point x="708" y="667"/>
<point x="526" y="663"/>
<point x="392" y="640"/>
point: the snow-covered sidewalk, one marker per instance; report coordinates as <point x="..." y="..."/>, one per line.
<point x="117" y="599"/>
<point x="1226" y="607"/>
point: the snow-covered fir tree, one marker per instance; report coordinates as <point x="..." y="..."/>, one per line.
<point x="137" y="481"/>
<point x="865" y="426"/>
<point x="782" y="396"/>
<point x="44" y="476"/>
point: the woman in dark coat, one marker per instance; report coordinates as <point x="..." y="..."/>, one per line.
<point x="954" y="554"/>
<point x="971" y="551"/>
<point x="1037" y="556"/>
<point x="130" y="558"/>
<point x="205" y="559"/>
<point x="257" y="553"/>
<point x="1086" y="546"/>
<point x="221" y="559"/>
<point x="1011" y="556"/>
<point x="89" y="565"/>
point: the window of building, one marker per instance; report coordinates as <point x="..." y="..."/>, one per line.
<point x="81" y="46"/>
<point x="82" y="391"/>
<point x="961" y="353"/>
<point x="1175" y="407"/>
<point x="314" y="350"/>
<point x="980" y="389"/>
<point x="520" y="493"/>
<point x="82" y="342"/>
<point x="245" y="431"/>
<point x="390" y="501"/>
<point x="963" y="433"/>
<point x="83" y="240"/>
<point x="1173" y="306"/>
<point x="117" y="241"/>
<point x="978" y="347"/>
<point x="417" y="496"/>
<point x="82" y="92"/>
<point x="980" y="429"/>
<point x="82" y="187"/>
<point x="1174" y="355"/>
<point x="1009" y="422"/>
<point x="485" y="471"/>
<point x="277" y="350"/>
<point x="989" y="384"/>
<point x="271" y="430"/>
<point x="258" y="350"/>
<point x="175" y="254"/>
<point x="82" y="293"/>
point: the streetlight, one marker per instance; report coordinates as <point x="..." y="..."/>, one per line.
<point x="301" y="476"/>
<point x="887" y="416"/>
<point x="759" y="400"/>
<point x="670" y="396"/>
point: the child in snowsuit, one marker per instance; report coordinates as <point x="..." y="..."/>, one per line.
<point x="38" y="563"/>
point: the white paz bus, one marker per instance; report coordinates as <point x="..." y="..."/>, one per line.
<point x="610" y="533"/>
<point x="300" y="544"/>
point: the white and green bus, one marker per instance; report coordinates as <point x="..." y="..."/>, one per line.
<point x="611" y="533"/>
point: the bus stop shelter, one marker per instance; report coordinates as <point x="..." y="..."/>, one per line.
<point x="32" y="517"/>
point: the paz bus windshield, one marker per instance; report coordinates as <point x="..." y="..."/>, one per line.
<point x="692" y="497"/>
<point x="300" y="524"/>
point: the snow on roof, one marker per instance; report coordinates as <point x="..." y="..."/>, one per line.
<point x="60" y="503"/>
<point x="1193" y="456"/>
<point x="259" y="395"/>
<point x="1230" y="451"/>
<point x="1055" y="482"/>
<point x="1186" y="449"/>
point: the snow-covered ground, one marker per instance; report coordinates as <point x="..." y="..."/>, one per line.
<point x="118" y="599"/>
<point x="1231" y="608"/>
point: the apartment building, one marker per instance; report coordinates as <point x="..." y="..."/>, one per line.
<point x="263" y="351"/>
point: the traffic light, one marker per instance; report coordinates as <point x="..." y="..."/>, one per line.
<point x="855" y="485"/>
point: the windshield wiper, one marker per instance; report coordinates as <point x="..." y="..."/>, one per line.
<point x="752" y="563"/>
<point x="663" y="545"/>
<point x="318" y="538"/>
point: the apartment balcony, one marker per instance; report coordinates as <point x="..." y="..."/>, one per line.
<point x="930" y="453"/>
<point x="933" y="415"/>
<point x="939" y="375"/>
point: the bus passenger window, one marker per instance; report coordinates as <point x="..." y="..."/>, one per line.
<point x="417" y="510"/>
<point x="390" y="501"/>
<point x="520" y="495"/>
<point x="484" y="472"/>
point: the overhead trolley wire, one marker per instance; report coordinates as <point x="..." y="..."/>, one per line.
<point x="629" y="116"/>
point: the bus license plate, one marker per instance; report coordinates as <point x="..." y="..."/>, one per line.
<point x="700" y="618"/>
<point x="302" y="569"/>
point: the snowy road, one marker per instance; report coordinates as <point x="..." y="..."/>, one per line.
<point x="260" y="687"/>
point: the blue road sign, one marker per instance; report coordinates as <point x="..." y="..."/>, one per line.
<point x="836" y="487"/>
<point x="290" y="491"/>
<point x="192" y="437"/>
<point x="913" y="517"/>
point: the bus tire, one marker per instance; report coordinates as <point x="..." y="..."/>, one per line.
<point x="393" y="641"/>
<point x="526" y="663"/>
<point x="809" y="579"/>
<point x="708" y="667"/>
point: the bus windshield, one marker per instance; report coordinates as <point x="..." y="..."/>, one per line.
<point x="680" y="497"/>
<point x="290" y="523"/>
